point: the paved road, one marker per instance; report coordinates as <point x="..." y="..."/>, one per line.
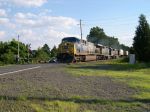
<point x="5" y="70"/>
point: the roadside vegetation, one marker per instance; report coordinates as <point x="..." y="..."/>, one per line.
<point x="9" y="53"/>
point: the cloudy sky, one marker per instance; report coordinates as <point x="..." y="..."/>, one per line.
<point x="48" y="21"/>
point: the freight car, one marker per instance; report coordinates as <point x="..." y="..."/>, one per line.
<point x="73" y="49"/>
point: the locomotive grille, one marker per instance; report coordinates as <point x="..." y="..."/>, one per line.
<point x="66" y="48"/>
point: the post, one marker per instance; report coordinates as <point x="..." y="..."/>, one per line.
<point x="132" y="59"/>
<point x="18" y="50"/>
<point x="81" y="28"/>
<point x="28" y="52"/>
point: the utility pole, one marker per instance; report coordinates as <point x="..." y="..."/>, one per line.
<point x="28" y="51"/>
<point x="81" y="28"/>
<point x="18" y="50"/>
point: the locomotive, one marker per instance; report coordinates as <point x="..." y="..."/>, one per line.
<point x="73" y="49"/>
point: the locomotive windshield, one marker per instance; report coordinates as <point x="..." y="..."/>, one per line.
<point x="71" y="39"/>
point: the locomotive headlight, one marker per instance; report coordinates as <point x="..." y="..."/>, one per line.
<point x="65" y="47"/>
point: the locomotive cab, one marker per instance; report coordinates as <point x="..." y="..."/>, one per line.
<point x="67" y="49"/>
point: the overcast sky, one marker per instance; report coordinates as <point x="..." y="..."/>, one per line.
<point x="48" y="21"/>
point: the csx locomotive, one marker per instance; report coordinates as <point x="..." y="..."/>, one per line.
<point x="73" y="49"/>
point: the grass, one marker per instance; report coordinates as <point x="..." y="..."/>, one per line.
<point x="136" y="76"/>
<point x="64" y="106"/>
<point x="5" y="65"/>
<point x="55" y="106"/>
<point x="69" y="106"/>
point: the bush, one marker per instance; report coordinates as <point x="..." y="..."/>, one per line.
<point x="1" y="63"/>
<point x="8" y="58"/>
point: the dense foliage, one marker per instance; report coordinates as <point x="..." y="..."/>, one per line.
<point x="141" y="40"/>
<point x="9" y="53"/>
<point x="98" y="36"/>
<point x="54" y="52"/>
<point x="44" y="53"/>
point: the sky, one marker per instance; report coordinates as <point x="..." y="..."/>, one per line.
<point x="47" y="21"/>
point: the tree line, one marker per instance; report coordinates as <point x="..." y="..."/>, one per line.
<point x="9" y="53"/>
<point x="141" y="40"/>
<point x="98" y="36"/>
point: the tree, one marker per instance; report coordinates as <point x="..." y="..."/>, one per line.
<point x="141" y="41"/>
<point x="41" y="55"/>
<point x="8" y="57"/>
<point x="46" y="49"/>
<point x="9" y="50"/>
<point x="124" y="47"/>
<point x="98" y="36"/>
<point x="54" y="52"/>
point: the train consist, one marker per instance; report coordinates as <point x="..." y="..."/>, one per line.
<point x="73" y="49"/>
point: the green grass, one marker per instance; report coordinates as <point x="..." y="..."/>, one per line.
<point x="69" y="106"/>
<point x="64" y="106"/>
<point x="136" y="76"/>
<point x="4" y="65"/>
